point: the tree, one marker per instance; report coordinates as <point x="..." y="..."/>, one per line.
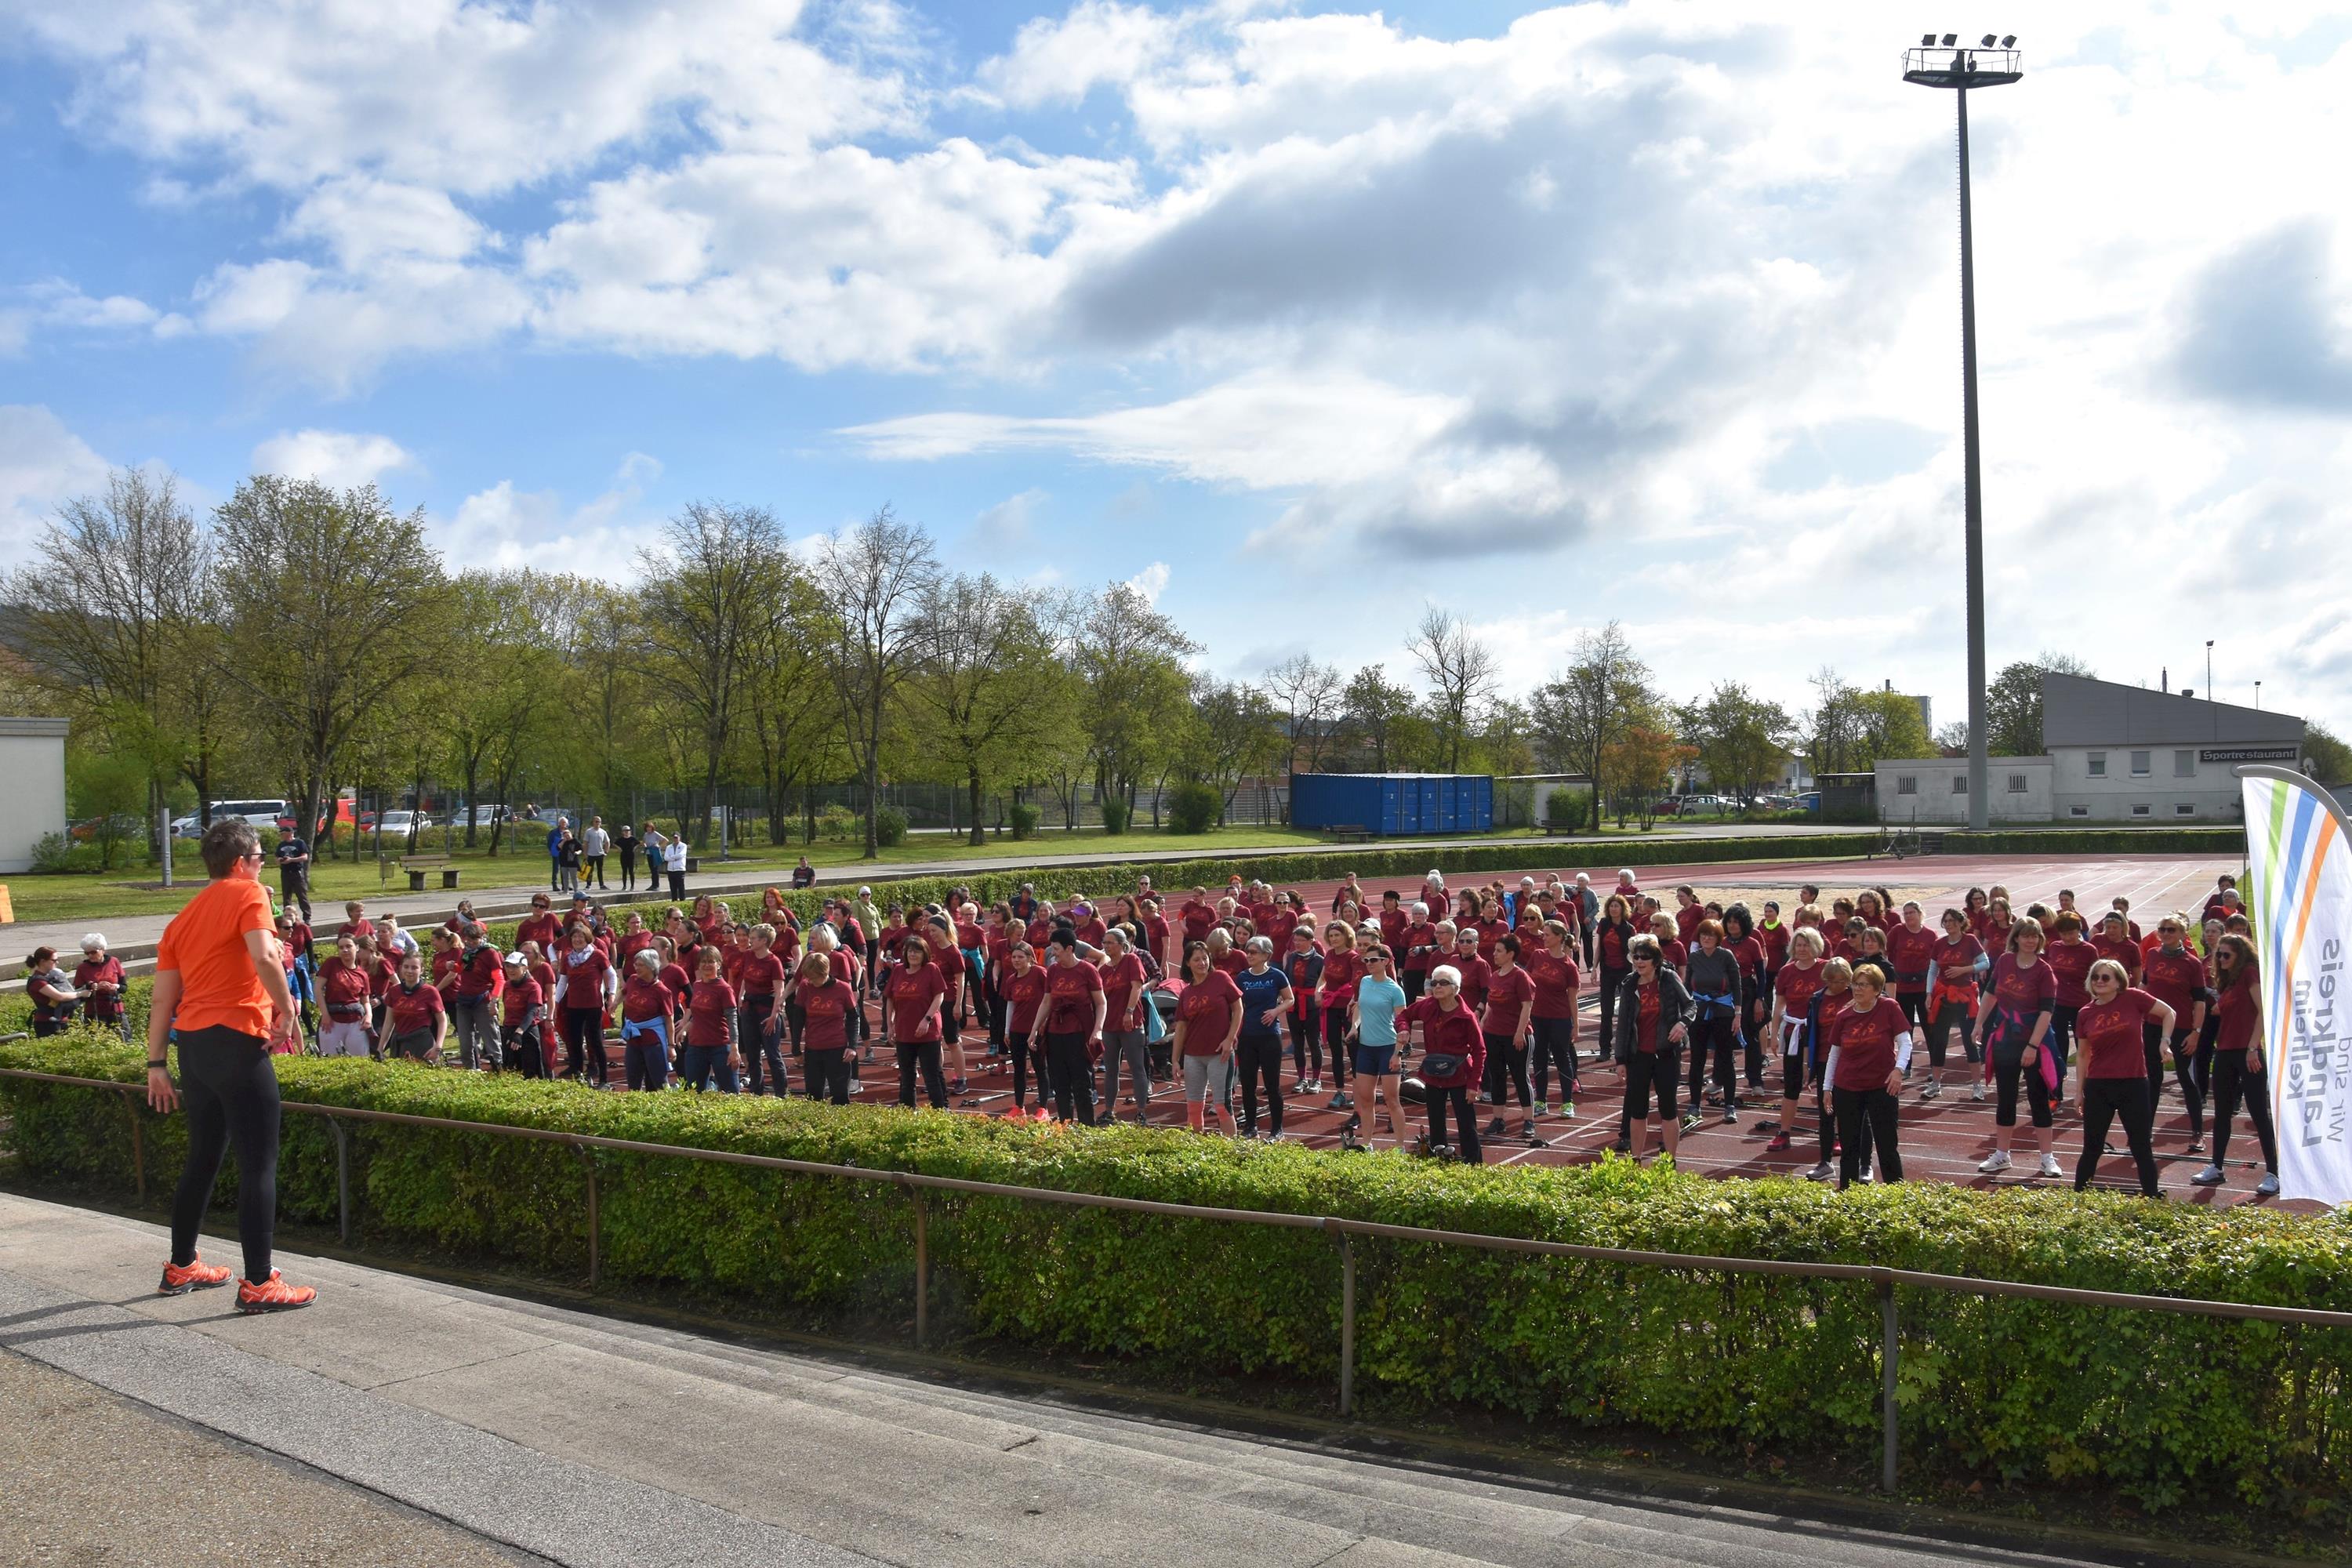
<point x="107" y="787"/>
<point x="1583" y="711"/>
<point x="1236" y="732"/>
<point x="1952" y="739"/>
<point x="2328" y="760"/>
<point x="1461" y="673"/>
<point x="873" y="579"/>
<point x="1737" y="737"/>
<point x="502" y="662"/>
<point x="1642" y="761"/>
<point x="2013" y="703"/>
<point x="715" y="583"/>
<point x="337" y="603"/>
<point x="988" y="686"/>
<point x="1888" y="724"/>
<point x="1370" y="709"/>
<point x="107" y="612"/>
<point x="1130" y="657"/>
<point x="1309" y="695"/>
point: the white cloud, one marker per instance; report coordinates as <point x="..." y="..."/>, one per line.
<point x="1005" y="525"/>
<point x="340" y="459"/>
<point x="503" y="527"/>
<point x="1152" y="581"/>
<point x="42" y="463"/>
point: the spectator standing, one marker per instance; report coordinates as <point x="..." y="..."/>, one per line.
<point x="625" y="843"/>
<point x="594" y="844"/>
<point x="674" y="863"/>
<point x="220" y="991"/>
<point x="294" y="872"/>
<point x="567" y="866"/>
<point x="555" y="837"/>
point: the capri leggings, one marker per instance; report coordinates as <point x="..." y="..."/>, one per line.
<point x="2012" y="1034"/>
<point x="1335" y="1036"/>
<point x="1555" y="1047"/>
<point x="1307" y="1037"/>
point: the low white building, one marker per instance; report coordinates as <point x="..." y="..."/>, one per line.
<point x="1933" y="791"/>
<point x="32" y="787"/>
<point x="2124" y="754"/>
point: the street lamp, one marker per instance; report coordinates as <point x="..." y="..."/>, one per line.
<point x="2258" y="696"/>
<point x="1959" y="70"/>
<point x="2209" y="669"/>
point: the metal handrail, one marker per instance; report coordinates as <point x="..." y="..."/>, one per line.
<point x="916" y="1182"/>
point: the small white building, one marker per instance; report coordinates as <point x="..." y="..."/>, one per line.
<point x="2124" y="754"/>
<point x="32" y="787"/>
<point x="1933" y="791"/>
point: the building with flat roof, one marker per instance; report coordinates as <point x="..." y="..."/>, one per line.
<point x="33" y="760"/>
<point x="2125" y="753"/>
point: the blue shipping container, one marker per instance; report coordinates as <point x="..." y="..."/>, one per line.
<point x="1392" y="803"/>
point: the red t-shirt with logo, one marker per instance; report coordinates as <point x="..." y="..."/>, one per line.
<point x="584" y="980"/>
<point x="1444" y="1033"/>
<point x="1023" y="993"/>
<point x="413" y="1012"/>
<point x="644" y="1000"/>
<point x="2071" y="962"/>
<point x="1340" y="972"/>
<point x="345" y="988"/>
<point x="2174" y="979"/>
<point x="709" y="1012"/>
<point x="2029" y="989"/>
<point x="1073" y="988"/>
<point x="519" y="997"/>
<point x="760" y="975"/>
<point x="1555" y="981"/>
<point x="1913" y="954"/>
<point x="1120" y="982"/>
<point x="826" y="1009"/>
<point x="1205" y="1009"/>
<point x="1865" y="1045"/>
<point x="2110" y="1034"/>
<point x="1507" y="996"/>
<point x="912" y="991"/>
<point x="1797" y="987"/>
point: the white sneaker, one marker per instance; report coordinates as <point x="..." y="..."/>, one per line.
<point x="1975" y="1091"/>
<point x="1996" y="1162"/>
<point x="1931" y="1090"/>
<point x="2049" y="1165"/>
<point x="2268" y="1186"/>
<point x="2211" y="1176"/>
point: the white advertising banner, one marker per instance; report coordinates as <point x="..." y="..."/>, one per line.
<point x="2299" y="882"/>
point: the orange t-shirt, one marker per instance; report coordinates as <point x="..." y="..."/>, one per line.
<point x="205" y="942"/>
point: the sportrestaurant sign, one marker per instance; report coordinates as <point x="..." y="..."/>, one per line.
<point x="2248" y="753"/>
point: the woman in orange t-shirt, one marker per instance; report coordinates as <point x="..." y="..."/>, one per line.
<point x="221" y="994"/>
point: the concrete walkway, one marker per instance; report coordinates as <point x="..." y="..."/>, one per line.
<point x="579" y="1439"/>
<point x="132" y="938"/>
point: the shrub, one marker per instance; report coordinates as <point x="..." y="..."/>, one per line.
<point x="1114" y="814"/>
<point x="1566" y="808"/>
<point x="836" y="823"/>
<point x="889" y="826"/>
<point x="1023" y="818"/>
<point x="53" y="852"/>
<point x="1195" y="809"/>
<point x="2167" y="1408"/>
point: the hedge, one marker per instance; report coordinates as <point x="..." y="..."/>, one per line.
<point x="2167" y="1409"/>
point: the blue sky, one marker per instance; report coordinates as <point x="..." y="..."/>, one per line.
<point x="1301" y="316"/>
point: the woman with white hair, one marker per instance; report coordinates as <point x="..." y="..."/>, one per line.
<point x="97" y="979"/>
<point x="1452" y="1058"/>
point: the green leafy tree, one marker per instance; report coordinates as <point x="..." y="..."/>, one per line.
<point x="2328" y="758"/>
<point x="1588" y="708"/>
<point x="2013" y="703"/>
<point x="1737" y="737"/>
<point x="1371" y="709"/>
<point x="987" y="690"/>
<point x="873" y="579"/>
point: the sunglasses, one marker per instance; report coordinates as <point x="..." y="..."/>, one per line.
<point x="1449" y="985"/>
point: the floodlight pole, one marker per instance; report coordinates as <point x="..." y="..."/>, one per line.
<point x="1980" y="801"/>
<point x="1956" y="70"/>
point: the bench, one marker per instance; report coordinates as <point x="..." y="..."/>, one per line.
<point x="1348" y="833"/>
<point x="416" y="866"/>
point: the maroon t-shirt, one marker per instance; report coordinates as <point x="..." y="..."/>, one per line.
<point x="1913" y="954"/>
<point x="708" y="1012"/>
<point x="1865" y="1044"/>
<point x="413" y="1012"/>
<point x="1120" y="982"/>
<point x="1444" y="1033"/>
<point x="827" y="1008"/>
<point x="582" y="974"/>
<point x="1023" y="992"/>
<point x="912" y="991"/>
<point x="1555" y="981"/>
<point x="2071" y="962"/>
<point x="2111" y="1035"/>
<point x="2174" y="979"/>
<point x="1507" y="996"/>
<point x="2029" y="989"/>
<point x="1073" y="988"/>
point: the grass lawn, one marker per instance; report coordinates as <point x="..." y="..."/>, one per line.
<point x="132" y="891"/>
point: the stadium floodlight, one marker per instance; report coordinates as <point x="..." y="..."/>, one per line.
<point x="1988" y="41"/>
<point x="1960" y="72"/>
<point x="2008" y="40"/>
<point x="1927" y="40"/>
<point x="1950" y="38"/>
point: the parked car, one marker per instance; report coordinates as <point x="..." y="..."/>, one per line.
<point x="484" y="815"/>
<point x="1704" y="805"/>
<point x="266" y="814"/>
<point x="1809" y="801"/>
<point x="124" y="827"/>
<point x="398" y="823"/>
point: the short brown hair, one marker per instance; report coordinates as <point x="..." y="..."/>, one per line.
<point x="226" y="842"/>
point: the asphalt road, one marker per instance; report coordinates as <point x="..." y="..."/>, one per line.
<point x="584" y="1440"/>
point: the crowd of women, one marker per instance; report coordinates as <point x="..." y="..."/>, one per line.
<point x="1839" y="1007"/>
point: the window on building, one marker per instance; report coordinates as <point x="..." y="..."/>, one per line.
<point x="2141" y="762"/>
<point x="2017" y="783"/>
<point x="2184" y="809"/>
<point x="1907" y="784"/>
<point x="2142" y="809"/>
<point x="2078" y="811"/>
<point x="2098" y="765"/>
<point x="1960" y="783"/>
<point x="2184" y="765"/>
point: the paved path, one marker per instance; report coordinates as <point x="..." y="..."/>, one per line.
<point x="133" y="937"/>
<point x="584" y="1441"/>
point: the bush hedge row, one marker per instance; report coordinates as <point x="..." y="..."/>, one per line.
<point x="2167" y="1409"/>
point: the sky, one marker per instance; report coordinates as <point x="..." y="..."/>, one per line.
<point x="1301" y="319"/>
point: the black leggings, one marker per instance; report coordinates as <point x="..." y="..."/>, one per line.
<point x="583" y="1042"/>
<point x="758" y="1046"/>
<point x="2189" y="1070"/>
<point x="1306" y="1039"/>
<point x="1950" y="1016"/>
<point x="521" y="1049"/>
<point x="923" y="1055"/>
<point x="2232" y="1081"/>
<point x="1259" y="1059"/>
<point x="1073" y="1076"/>
<point x="1866" y="1116"/>
<point x="1457" y="1098"/>
<point x="1025" y="1057"/>
<point x="628" y="868"/>
<point x="1714" y="1037"/>
<point x="2008" y="1068"/>
<point x="2104" y="1099"/>
<point x="1506" y="1071"/>
<point x="824" y="1074"/>
<point x="1611" y="981"/>
<point x="1335" y="1036"/>
<point x="1555" y="1046"/>
<point x="230" y="1093"/>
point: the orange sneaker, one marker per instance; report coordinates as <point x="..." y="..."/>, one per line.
<point x="197" y="1276"/>
<point x="272" y="1295"/>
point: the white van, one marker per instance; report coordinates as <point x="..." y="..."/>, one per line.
<point x="261" y="813"/>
